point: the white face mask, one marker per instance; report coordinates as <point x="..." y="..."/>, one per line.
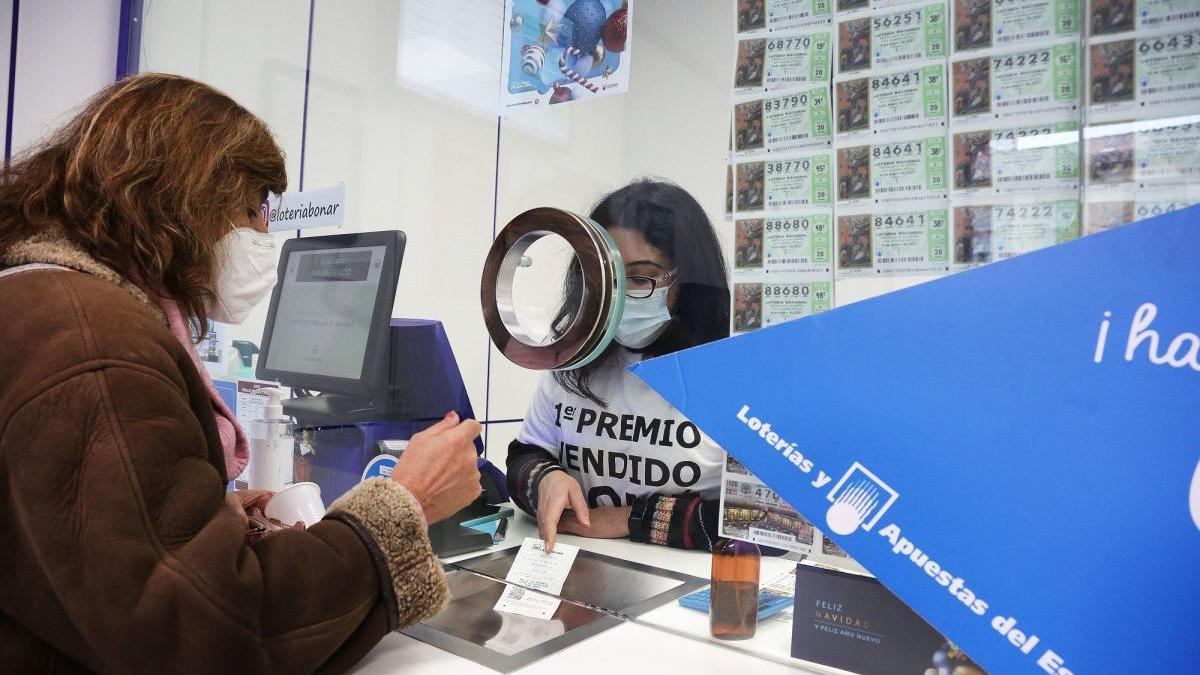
<point x="246" y="262"/>
<point x="644" y="319"/>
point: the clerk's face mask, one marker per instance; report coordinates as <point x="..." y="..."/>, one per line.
<point x="246" y="260"/>
<point x="644" y="319"/>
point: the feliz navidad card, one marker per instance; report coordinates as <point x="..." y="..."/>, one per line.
<point x="1013" y="450"/>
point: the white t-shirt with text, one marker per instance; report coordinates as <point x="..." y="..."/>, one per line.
<point x="636" y="446"/>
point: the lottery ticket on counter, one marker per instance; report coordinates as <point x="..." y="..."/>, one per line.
<point x="779" y="15"/>
<point x="903" y="239"/>
<point x="518" y="600"/>
<point x="784" y="183"/>
<point x="891" y="37"/>
<point x="1017" y="159"/>
<point x="792" y="244"/>
<point x="901" y="170"/>
<point x="1041" y="81"/>
<point x="1108" y="17"/>
<point x="1144" y="77"/>
<point x="753" y="512"/>
<point x="762" y="304"/>
<point x="782" y="61"/>
<point x="983" y="24"/>
<point x="1150" y="154"/>
<point x="1110" y="208"/>
<point x="784" y="122"/>
<point x="890" y="101"/>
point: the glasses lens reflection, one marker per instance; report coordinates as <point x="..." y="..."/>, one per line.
<point x="639" y="286"/>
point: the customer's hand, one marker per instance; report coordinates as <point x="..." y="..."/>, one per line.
<point x="556" y="491"/>
<point x="244" y="500"/>
<point x="607" y="522"/>
<point x="439" y="467"/>
<point x="250" y="499"/>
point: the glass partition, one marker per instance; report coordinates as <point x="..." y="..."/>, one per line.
<point x="400" y="102"/>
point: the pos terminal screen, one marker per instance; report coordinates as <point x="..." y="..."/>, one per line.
<point x="323" y="317"/>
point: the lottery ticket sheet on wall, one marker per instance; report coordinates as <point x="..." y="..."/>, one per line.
<point x="871" y="138"/>
<point x="779" y="194"/>
<point x="783" y="232"/>
<point x="769" y="16"/>
<point x="783" y="122"/>
<point x="779" y="203"/>
<point x="1138" y="169"/>
<point x="1141" y="145"/>
<point x="753" y="512"/>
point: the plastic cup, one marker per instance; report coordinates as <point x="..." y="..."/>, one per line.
<point x="297" y="503"/>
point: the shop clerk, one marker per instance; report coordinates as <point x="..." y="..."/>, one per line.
<point x="600" y="453"/>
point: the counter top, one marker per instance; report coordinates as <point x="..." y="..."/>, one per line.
<point x="669" y="639"/>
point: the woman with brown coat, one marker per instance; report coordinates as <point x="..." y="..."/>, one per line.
<point x="120" y="550"/>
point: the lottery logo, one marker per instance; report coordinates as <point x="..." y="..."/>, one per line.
<point x="859" y="499"/>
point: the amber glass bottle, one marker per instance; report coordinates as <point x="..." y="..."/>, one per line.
<point x="734" y="611"/>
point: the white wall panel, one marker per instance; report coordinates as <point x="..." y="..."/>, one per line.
<point x="255" y="52"/>
<point x="66" y="51"/>
<point x="676" y="116"/>
<point x="413" y="156"/>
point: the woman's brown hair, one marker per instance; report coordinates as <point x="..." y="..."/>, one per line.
<point x="146" y="179"/>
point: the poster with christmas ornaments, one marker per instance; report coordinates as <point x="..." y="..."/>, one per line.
<point x="560" y="51"/>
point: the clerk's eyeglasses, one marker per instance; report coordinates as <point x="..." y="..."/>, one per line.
<point x="637" y="286"/>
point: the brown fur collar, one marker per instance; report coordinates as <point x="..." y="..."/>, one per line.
<point x="57" y="250"/>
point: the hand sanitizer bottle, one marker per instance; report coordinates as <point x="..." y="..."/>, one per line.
<point x="271" y="445"/>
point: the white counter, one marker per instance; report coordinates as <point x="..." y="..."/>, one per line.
<point x="670" y="639"/>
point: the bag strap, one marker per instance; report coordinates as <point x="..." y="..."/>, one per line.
<point x="30" y="267"/>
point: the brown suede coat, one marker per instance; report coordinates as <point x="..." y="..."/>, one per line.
<point x="118" y="550"/>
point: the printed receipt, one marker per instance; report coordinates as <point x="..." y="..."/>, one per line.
<point x="534" y="570"/>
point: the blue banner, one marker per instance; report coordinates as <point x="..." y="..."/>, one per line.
<point x="1013" y="450"/>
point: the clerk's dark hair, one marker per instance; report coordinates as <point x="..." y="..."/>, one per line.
<point x="672" y="221"/>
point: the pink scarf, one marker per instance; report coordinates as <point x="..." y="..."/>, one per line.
<point x="233" y="438"/>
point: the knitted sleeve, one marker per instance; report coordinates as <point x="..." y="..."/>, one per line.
<point x="527" y="465"/>
<point x="679" y="521"/>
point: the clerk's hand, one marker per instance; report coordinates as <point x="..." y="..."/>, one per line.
<point x="557" y="491"/>
<point x="608" y="522"/>
<point x="439" y="467"/>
